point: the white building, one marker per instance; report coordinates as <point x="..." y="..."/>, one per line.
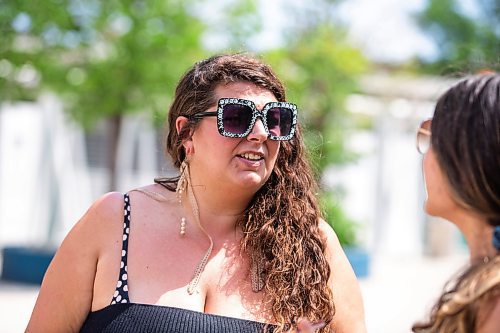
<point x="51" y="171"/>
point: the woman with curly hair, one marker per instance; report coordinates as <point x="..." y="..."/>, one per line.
<point x="235" y="243"/>
<point x="461" y="147"/>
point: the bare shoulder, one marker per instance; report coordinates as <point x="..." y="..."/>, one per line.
<point x="110" y="201"/>
<point x="66" y="293"/>
<point x="328" y="231"/>
<point x="105" y="209"/>
<point x="153" y="191"/>
<point x="349" y="315"/>
<point x="335" y="254"/>
<point x="332" y="241"/>
<point x="102" y="222"/>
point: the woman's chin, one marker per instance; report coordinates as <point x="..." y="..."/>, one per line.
<point x="429" y="209"/>
<point x="252" y="181"/>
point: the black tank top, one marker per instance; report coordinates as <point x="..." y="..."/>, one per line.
<point x="121" y="316"/>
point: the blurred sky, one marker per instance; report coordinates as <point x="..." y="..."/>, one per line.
<point x="383" y="29"/>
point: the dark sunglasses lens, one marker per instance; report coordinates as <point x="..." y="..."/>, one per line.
<point x="279" y="121"/>
<point x="236" y="118"/>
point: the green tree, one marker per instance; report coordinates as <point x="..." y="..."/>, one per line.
<point x="238" y="22"/>
<point x="467" y="38"/>
<point x="104" y="58"/>
<point x="320" y="69"/>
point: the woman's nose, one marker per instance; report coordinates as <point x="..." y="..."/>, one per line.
<point x="258" y="132"/>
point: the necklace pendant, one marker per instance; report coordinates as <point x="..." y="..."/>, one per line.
<point x="183" y="226"/>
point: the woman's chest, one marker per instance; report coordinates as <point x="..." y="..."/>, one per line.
<point x="223" y="288"/>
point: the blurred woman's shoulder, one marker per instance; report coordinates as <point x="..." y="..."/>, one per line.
<point x="487" y="279"/>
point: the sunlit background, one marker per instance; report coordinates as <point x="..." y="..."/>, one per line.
<point x="85" y="87"/>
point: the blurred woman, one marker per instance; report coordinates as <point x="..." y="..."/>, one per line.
<point x="461" y="147"/>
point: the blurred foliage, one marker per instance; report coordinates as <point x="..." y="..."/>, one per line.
<point x="468" y="37"/>
<point x="344" y="227"/>
<point x="239" y="22"/>
<point x="109" y="58"/>
<point x="105" y="58"/>
<point x="320" y="69"/>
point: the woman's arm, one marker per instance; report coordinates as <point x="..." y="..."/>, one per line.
<point x="349" y="312"/>
<point x="65" y="297"/>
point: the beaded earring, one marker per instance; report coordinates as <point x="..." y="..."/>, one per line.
<point x="256" y="268"/>
<point x="256" y="273"/>
<point x="182" y="184"/>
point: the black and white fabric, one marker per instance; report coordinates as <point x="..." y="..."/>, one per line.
<point x="122" y="316"/>
<point x="121" y="291"/>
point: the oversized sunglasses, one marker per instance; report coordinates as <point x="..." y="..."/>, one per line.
<point x="236" y="118"/>
<point x="424" y="136"/>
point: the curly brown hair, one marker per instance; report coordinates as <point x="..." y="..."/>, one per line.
<point x="281" y="224"/>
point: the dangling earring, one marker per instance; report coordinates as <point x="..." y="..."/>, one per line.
<point x="183" y="179"/>
<point x="256" y="273"/>
<point x="182" y="184"/>
<point x="256" y="268"/>
<point x="183" y="226"/>
<point x="186" y="185"/>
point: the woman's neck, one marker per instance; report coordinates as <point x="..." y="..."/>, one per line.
<point x="218" y="209"/>
<point x="478" y="234"/>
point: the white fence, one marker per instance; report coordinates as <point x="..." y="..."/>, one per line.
<point x="46" y="183"/>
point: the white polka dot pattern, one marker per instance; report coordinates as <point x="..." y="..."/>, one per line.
<point x="121" y="291"/>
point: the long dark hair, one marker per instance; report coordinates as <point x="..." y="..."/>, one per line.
<point x="280" y="224"/>
<point x="466" y="139"/>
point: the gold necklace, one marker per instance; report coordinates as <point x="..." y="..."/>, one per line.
<point x="196" y="213"/>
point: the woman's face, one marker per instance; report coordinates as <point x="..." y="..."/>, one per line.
<point x="439" y="197"/>
<point x="244" y="163"/>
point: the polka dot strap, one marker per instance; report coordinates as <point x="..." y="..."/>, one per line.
<point x="121" y="291"/>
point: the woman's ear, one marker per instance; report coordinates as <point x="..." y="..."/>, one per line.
<point x="180" y="122"/>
